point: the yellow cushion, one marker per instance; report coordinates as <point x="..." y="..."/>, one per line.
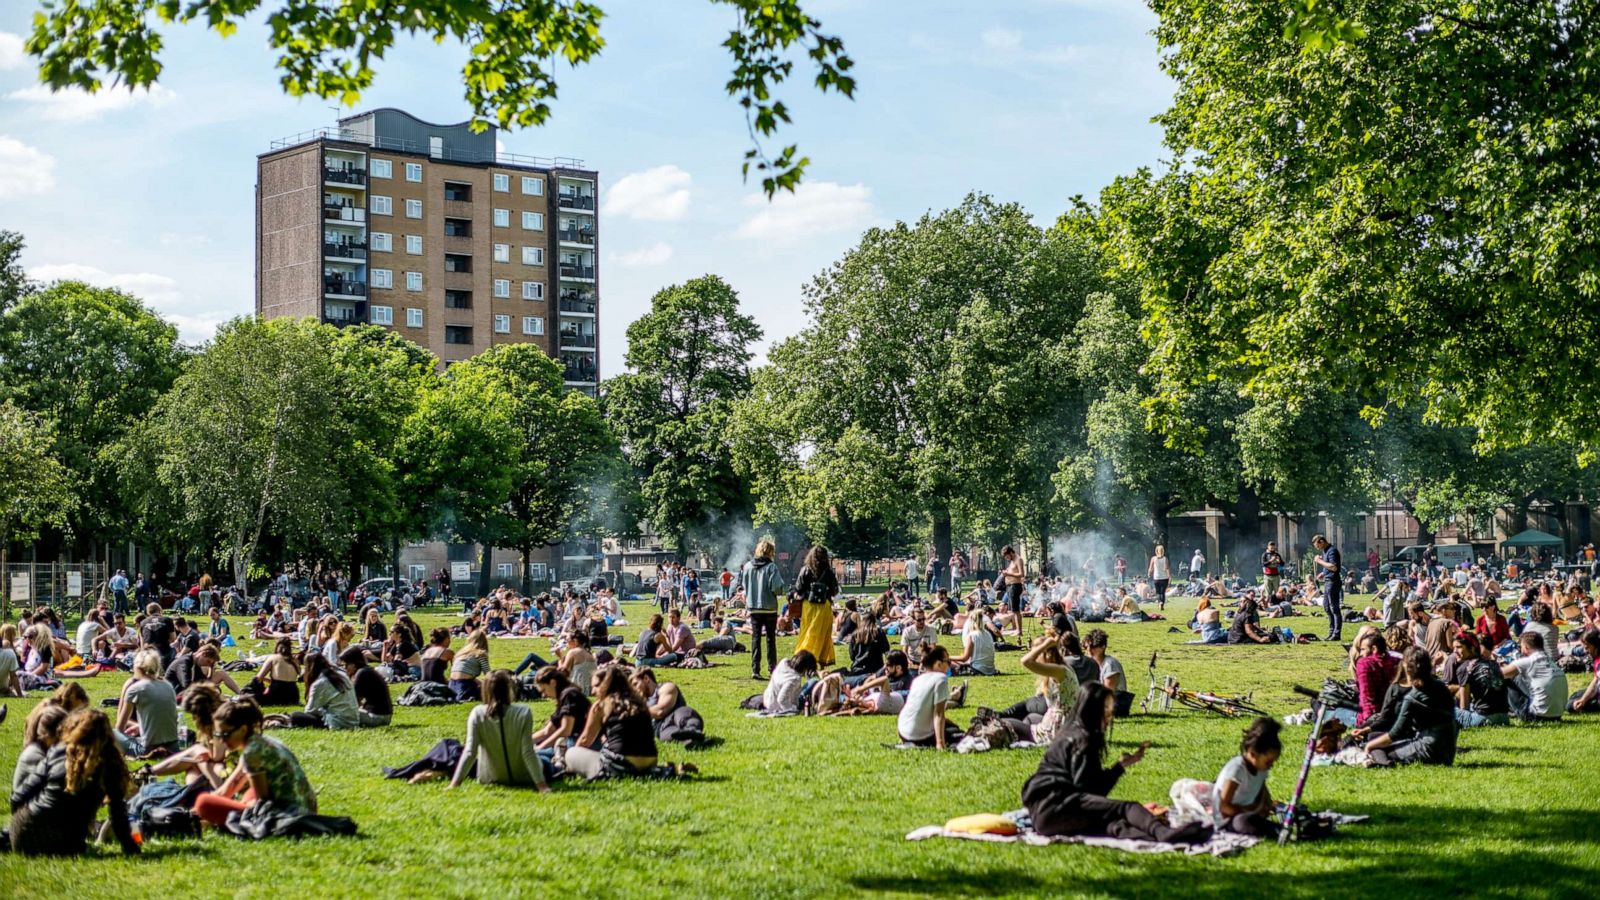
<point x="982" y="823"/>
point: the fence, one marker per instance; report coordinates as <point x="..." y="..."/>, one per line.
<point x="67" y="587"/>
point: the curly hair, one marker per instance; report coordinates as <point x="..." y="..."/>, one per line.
<point x="93" y="760"/>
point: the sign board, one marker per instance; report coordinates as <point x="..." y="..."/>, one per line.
<point x="460" y="571"/>
<point x="21" y="587"/>
<point x="783" y="557"/>
<point x="74" y="584"/>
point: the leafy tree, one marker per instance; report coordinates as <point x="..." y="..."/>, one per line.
<point x="690" y="361"/>
<point x="35" y="488"/>
<point x="329" y="50"/>
<point x="1434" y="252"/>
<point x="562" y="445"/>
<point x="93" y="361"/>
<point x="14" y="281"/>
<point x="244" y="442"/>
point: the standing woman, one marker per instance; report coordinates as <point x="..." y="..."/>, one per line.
<point x="816" y="587"/>
<point x="1160" y="572"/>
<point x="1013" y="576"/>
<point x="56" y="802"/>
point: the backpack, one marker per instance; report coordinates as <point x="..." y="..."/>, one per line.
<point x="169" y="821"/>
<point x="427" y="693"/>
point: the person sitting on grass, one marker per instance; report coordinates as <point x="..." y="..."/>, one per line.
<point x="868" y="646"/>
<point x="1493" y="629"/>
<point x="58" y="798"/>
<point x="438" y="656"/>
<point x="1375" y="670"/>
<point x="1208" y="623"/>
<point x="559" y="733"/>
<point x="922" y="720"/>
<point x="1424" y="729"/>
<point x="1585" y="701"/>
<point x="723" y="639"/>
<point x="1476" y="683"/>
<point x="1081" y="663"/>
<point x="652" y="647"/>
<point x="1111" y="674"/>
<point x="977" y="646"/>
<point x="1068" y="793"/>
<point x="620" y="719"/>
<point x="1246" y="627"/>
<point x="201" y="763"/>
<point x="471" y="664"/>
<point x="675" y="720"/>
<point x="372" y="692"/>
<point x="401" y="653"/>
<point x="1538" y="683"/>
<point x="1039" y="718"/>
<point x="147" y="714"/>
<point x="200" y="667"/>
<point x="1241" y="795"/>
<point x="787" y="686"/>
<point x="277" y="683"/>
<point x="330" y="699"/>
<point x="499" y="746"/>
<point x="41" y="730"/>
<point x="267" y="771"/>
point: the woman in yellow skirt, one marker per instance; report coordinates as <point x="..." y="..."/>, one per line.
<point x="815" y="589"/>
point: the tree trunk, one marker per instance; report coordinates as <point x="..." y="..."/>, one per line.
<point x="863" y="573"/>
<point x="394" y="562"/>
<point x="5" y="576"/>
<point x="487" y="561"/>
<point x="941" y="532"/>
<point x="527" y="560"/>
<point x="1043" y="526"/>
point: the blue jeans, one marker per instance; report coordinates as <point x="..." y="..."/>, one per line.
<point x="667" y="659"/>
<point x="1467" y="718"/>
<point x="532" y="659"/>
<point x="132" y="746"/>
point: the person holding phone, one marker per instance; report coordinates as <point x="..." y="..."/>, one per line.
<point x="1068" y="794"/>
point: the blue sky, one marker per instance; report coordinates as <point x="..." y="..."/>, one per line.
<point x="1028" y="100"/>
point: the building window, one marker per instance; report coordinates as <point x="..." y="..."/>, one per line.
<point x="457" y="299"/>
<point x="504" y="569"/>
<point x="413" y="318"/>
<point x="455" y="190"/>
<point x="533" y="290"/>
<point x="382" y="278"/>
<point x="532" y="325"/>
<point x="416" y="573"/>
<point x="414" y="244"/>
<point x="381" y="168"/>
<point x="502" y="182"/>
<point x="533" y="256"/>
<point x="458" y="262"/>
<point x="502" y="218"/>
<point x="533" y="187"/>
<point x="382" y="315"/>
<point x="413" y="171"/>
<point x="458" y="228"/>
<point x="413" y="209"/>
<point x="382" y="242"/>
<point x="502" y="253"/>
<point x="532" y="221"/>
<point x="502" y="324"/>
<point x="382" y="206"/>
<point x="536" y="571"/>
<point x="413" y="281"/>
<point x="458" y="334"/>
<point x="502" y="287"/>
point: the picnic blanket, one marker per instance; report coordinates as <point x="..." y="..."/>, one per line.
<point x="967" y="744"/>
<point x="1221" y="843"/>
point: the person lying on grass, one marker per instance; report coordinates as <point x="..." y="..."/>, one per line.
<point x="1424" y="729"/>
<point x="57" y="799"/>
<point x="267" y="770"/>
<point x="499" y="747"/>
<point x="1243" y="800"/>
<point x="1068" y="793"/>
<point x="881" y="693"/>
<point x="922" y="719"/>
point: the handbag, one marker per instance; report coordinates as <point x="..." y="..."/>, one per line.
<point x="169" y="821"/>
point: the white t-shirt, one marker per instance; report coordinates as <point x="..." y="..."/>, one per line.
<point x="1160" y="568"/>
<point x="927" y="691"/>
<point x="1544" y="683"/>
<point x="87" y="632"/>
<point x="911" y="567"/>
<point x="982" y="650"/>
<point x="783" y="691"/>
<point x="1198" y="563"/>
<point x="913" y="638"/>
<point x="1111" y="666"/>
<point x="1249" y="786"/>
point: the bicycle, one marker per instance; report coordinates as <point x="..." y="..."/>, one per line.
<point x="1166" y="690"/>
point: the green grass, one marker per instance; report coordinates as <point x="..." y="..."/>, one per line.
<point x="817" y="807"/>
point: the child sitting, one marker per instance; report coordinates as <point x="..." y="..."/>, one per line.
<point x="1243" y="801"/>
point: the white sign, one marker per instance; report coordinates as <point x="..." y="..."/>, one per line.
<point x="74" y="584"/>
<point x="460" y="571"/>
<point x="21" y="587"/>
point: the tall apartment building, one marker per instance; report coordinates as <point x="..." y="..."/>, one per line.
<point x="430" y="231"/>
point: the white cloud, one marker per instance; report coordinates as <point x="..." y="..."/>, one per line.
<point x="1002" y="39"/>
<point x="24" y="170"/>
<point x="75" y="105"/>
<point x="148" y="286"/>
<point x="814" y="208"/>
<point x="660" y="194"/>
<point x="11" y="53"/>
<point x="653" y="255"/>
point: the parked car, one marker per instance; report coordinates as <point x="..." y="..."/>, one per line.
<point x="379" y="585"/>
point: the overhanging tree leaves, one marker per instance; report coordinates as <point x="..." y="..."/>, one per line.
<point x="331" y="50"/>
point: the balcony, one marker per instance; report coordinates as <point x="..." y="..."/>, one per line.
<point x="580" y="373"/>
<point x="344" y="175"/>
<point x="576" y="236"/>
<point x="336" y="286"/>
<point x="579" y="550"/>
<point x="457" y="299"/>
<point x="574" y="302"/>
<point x="343" y="314"/>
<point x="340" y="212"/>
<point x="344" y="249"/>
<point x="575" y="339"/>
<point x="577" y="201"/>
<point x="585" y="273"/>
<point x="456" y="262"/>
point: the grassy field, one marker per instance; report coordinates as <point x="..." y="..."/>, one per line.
<point x="818" y="807"/>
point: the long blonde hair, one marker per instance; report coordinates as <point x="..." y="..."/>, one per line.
<point x="477" y="644"/>
<point x="766" y="548"/>
<point x="1052" y="654"/>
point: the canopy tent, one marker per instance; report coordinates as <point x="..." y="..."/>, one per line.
<point x="1533" y="537"/>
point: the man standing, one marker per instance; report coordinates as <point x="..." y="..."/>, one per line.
<point x="935" y="573"/>
<point x="1272" y="567"/>
<point x="1122" y="569"/>
<point x="1197" y="565"/>
<point x="119" y="591"/>
<point x="958" y="571"/>
<point x="1330" y="567"/>
<point x="911" y="575"/>
<point x="1012" y="577"/>
<point x="762" y="583"/>
<point x="725" y="580"/>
